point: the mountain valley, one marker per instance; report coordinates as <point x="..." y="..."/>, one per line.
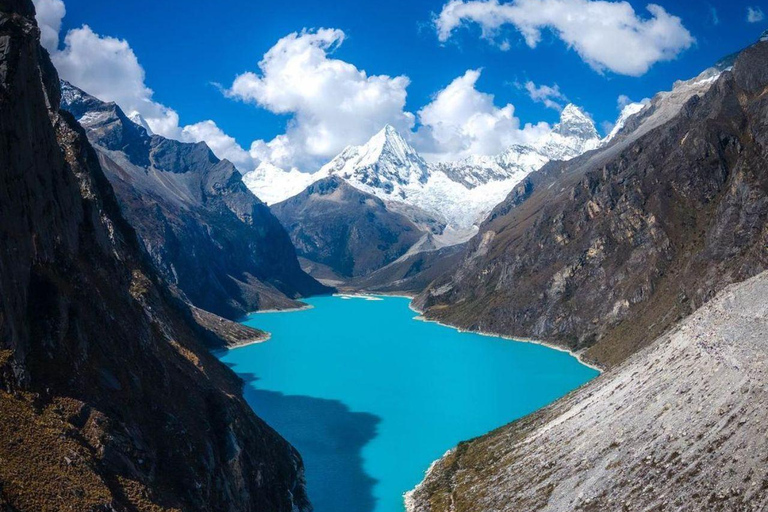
<point x="188" y="323"/>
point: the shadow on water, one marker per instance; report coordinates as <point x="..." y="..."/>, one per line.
<point x="330" y="439"/>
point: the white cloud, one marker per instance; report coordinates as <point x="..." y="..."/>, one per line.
<point x="622" y="101"/>
<point x="222" y="145"/>
<point x="107" y="68"/>
<point x="461" y="121"/>
<point x="607" y="35"/>
<point x="49" y="16"/>
<point x="333" y="103"/>
<point x="755" y="15"/>
<point x="546" y="94"/>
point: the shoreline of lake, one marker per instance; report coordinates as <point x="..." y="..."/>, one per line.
<point x="422" y="318"/>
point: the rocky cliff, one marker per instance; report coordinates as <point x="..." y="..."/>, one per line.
<point x="609" y="250"/>
<point x="108" y="399"/>
<point x="206" y="232"/>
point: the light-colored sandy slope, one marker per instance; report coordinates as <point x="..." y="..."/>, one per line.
<point x="682" y="425"/>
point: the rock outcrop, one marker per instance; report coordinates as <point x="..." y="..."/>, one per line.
<point x="207" y="234"/>
<point x="682" y="425"/>
<point x="607" y="251"/>
<point x="108" y="398"/>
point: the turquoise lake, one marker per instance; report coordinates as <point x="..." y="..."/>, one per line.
<point x="370" y="396"/>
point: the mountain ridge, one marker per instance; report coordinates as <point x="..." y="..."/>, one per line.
<point x="650" y="259"/>
<point x="206" y="232"/>
<point x="581" y="224"/>
<point x="109" y="399"/>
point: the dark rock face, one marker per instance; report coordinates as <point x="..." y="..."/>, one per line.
<point x="206" y="232"/>
<point x="609" y="250"/>
<point x="350" y="231"/>
<point x="108" y="398"/>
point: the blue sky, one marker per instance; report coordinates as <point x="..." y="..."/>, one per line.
<point x="185" y="47"/>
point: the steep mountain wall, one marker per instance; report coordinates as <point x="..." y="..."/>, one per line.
<point x="609" y="250"/>
<point x="108" y="399"/>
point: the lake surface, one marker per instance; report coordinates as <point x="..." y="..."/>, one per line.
<point x="371" y="397"/>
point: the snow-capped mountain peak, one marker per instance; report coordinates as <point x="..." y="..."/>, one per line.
<point x="457" y="194"/>
<point x="573" y="135"/>
<point x="574" y="122"/>
<point x="390" y="145"/>
<point x="384" y="164"/>
<point x="273" y="185"/>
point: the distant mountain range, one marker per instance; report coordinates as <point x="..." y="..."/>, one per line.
<point x="435" y="205"/>
<point x="447" y="198"/>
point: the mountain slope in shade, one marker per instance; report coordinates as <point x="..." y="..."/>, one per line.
<point x="345" y="229"/>
<point x="108" y="398"/>
<point x="610" y="249"/>
<point x="679" y="426"/>
<point x="206" y="232"/>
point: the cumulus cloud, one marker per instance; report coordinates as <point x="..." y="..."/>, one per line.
<point x="550" y="96"/>
<point x="607" y="35"/>
<point x="49" y="16"/>
<point x="462" y="121"/>
<point x="222" y="145"/>
<point x="755" y="15"/>
<point x="332" y="102"/>
<point x="107" y="68"/>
